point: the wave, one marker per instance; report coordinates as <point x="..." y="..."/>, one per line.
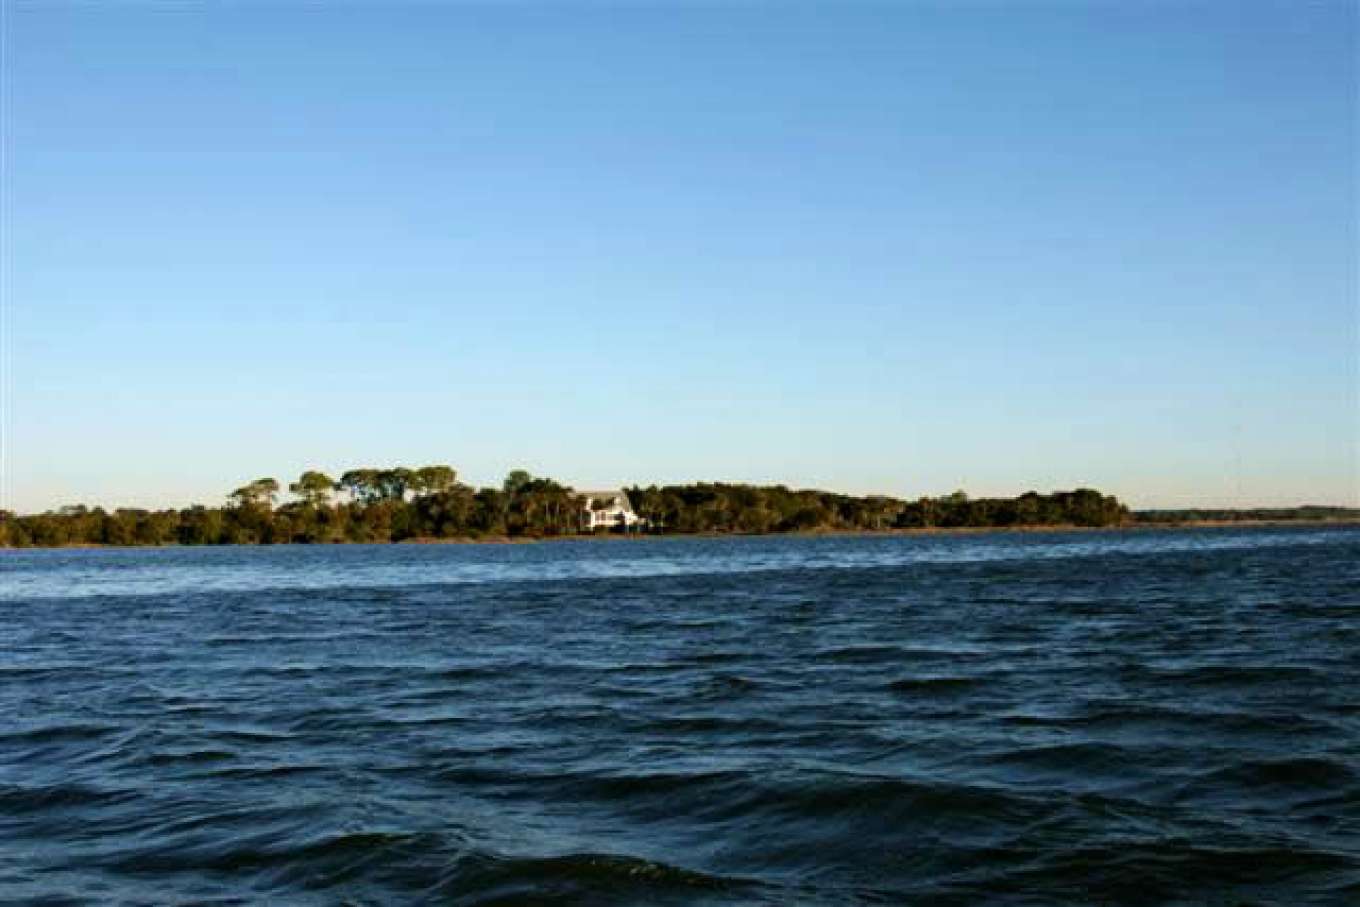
<point x="1139" y="730"/>
<point x="264" y="772"/>
<point x="724" y="686"/>
<point x="1071" y="759"/>
<point x="388" y="573"/>
<point x="1298" y="780"/>
<point x="190" y="757"/>
<point x="254" y="851"/>
<point x="1301" y="771"/>
<point x="57" y="733"/>
<point x="575" y="875"/>
<point x="934" y="685"/>
<point x="1122" y="716"/>
<point x="1228" y="675"/>
<point x="16" y="799"/>
<point x="861" y="654"/>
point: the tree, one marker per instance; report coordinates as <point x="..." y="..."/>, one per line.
<point x="433" y="479"/>
<point x="362" y="484"/>
<point x="314" y="488"/>
<point x="516" y="480"/>
<point x="490" y="507"/>
<point x="445" y="514"/>
<point x="378" y="510"/>
<point x="200" y="526"/>
<point x="395" y="482"/>
<point x="757" y="519"/>
<point x="261" y="492"/>
<point x="370" y="485"/>
<point x="541" y="507"/>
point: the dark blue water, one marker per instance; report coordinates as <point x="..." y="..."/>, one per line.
<point x="1102" y="718"/>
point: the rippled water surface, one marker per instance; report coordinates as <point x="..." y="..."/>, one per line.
<point x="1108" y="718"/>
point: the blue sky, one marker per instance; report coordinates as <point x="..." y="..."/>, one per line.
<point x="898" y="248"/>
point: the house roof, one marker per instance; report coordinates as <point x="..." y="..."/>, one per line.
<point x="616" y="496"/>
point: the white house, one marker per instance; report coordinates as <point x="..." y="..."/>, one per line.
<point x="607" y="509"/>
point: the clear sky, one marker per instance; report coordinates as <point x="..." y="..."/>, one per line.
<point x="899" y="247"/>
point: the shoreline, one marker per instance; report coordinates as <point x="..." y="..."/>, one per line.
<point x="910" y="531"/>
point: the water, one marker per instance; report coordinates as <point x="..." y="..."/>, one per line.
<point x="1070" y="718"/>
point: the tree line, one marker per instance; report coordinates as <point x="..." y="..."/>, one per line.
<point x="1308" y="512"/>
<point x="428" y="502"/>
<point x="718" y="507"/>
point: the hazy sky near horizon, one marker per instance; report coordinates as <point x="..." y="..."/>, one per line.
<point x="897" y="248"/>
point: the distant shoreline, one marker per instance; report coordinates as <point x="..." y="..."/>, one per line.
<point x="913" y="531"/>
<point x="898" y="531"/>
<point x="428" y="505"/>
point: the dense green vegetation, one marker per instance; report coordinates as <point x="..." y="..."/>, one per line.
<point x="1256" y="514"/>
<point x="749" y="508"/>
<point x="400" y="504"/>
